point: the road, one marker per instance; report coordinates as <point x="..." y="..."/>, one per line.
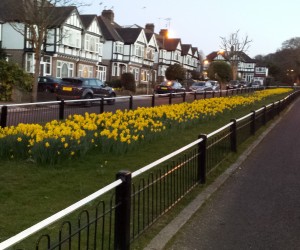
<point x="48" y="109"/>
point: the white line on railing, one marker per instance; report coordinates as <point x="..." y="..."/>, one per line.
<point x="167" y="157"/>
<point x="219" y="130"/>
<point x="50" y="220"/>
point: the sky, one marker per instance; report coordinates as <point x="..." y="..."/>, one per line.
<point x="267" y="23"/>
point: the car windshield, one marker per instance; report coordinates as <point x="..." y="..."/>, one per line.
<point x="199" y="84"/>
<point x="72" y="81"/>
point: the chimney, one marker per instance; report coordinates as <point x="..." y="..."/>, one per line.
<point x="164" y="33"/>
<point x="108" y="14"/>
<point x="150" y="27"/>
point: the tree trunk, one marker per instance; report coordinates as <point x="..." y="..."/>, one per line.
<point x="36" y="77"/>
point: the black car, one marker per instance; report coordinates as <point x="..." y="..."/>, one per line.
<point x="169" y="87"/>
<point x="48" y="83"/>
<point x="233" y="84"/>
<point x="73" y="88"/>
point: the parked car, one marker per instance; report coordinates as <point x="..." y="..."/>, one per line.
<point x="48" y="83"/>
<point x="255" y="84"/>
<point x="73" y="88"/>
<point x="233" y="84"/>
<point x="169" y="87"/>
<point x="244" y="84"/>
<point x="201" y="86"/>
<point x="215" y="85"/>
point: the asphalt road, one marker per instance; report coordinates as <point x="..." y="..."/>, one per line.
<point x="47" y="108"/>
<point x="258" y="206"/>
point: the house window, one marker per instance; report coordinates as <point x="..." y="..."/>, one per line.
<point x="100" y="49"/>
<point x="150" y="54"/>
<point x="72" y="38"/>
<point x="64" y="69"/>
<point x="139" y="50"/>
<point x="29" y="63"/>
<point x="144" y="75"/>
<point x="136" y="73"/>
<point x="85" y="71"/>
<point x="47" y="65"/>
<point x="115" y="70"/>
<point x="91" y="43"/>
<point x="101" y="73"/>
<point x="118" y="48"/>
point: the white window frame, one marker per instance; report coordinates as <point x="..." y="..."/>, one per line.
<point x="29" y="62"/>
<point x="118" y="48"/>
<point x="85" y="70"/>
<point x="101" y="73"/>
<point x="59" y="67"/>
<point x="71" y="37"/>
<point x="136" y="73"/>
<point x="139" y="50"/>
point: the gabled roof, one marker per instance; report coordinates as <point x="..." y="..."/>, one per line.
<point x="185" y="49"/>
<point x="210" y="57"/>
<point x="129" y="35"/>
<point x="108" y="29"/>
<point x="149" y="36"/>
<point x="87" y="20"/>
<point x="242" y="55"/>
<point x="56" y="15"/>
<point x="171" y="44"/>
<point x="59" y="15"/>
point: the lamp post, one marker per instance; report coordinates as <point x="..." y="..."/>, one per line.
<point x="290" y="74"/>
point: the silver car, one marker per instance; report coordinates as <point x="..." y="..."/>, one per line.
<point x="201" y="86"/>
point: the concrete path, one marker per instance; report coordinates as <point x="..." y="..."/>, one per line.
<point x="258" y="207"/>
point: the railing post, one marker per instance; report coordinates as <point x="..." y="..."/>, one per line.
<point x="202" y="159"/>
<point x="220" y="92"/>
<point x="213" y="94"/>
<point x="204" y="95"/>
<point x="131" y="102"/>
<point x="265" y="115"/>
<point x="61" y="110"/>
<point x="253" y="128"/>
<point x="273" y="110"/>
<point x="170" y="98"/>
<point x="183" y="96"/>
<point x="233" y="135"/>
<point x="153" y="100"/>
<point x="122" y="213"/>
<point x="195" y="95"/>
<point x="3" y="121"/>
<point x="101" y="105"/>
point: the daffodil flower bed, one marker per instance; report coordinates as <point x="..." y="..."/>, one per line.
<point x="112" y="132"/>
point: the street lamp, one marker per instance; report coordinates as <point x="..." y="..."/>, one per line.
<point x="290" y="73"/>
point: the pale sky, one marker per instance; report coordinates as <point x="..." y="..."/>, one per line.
<point x="268" y="23"/>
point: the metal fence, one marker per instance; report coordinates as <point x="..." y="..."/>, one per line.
<point x="43" y="112"/>
<point x="115" y="216"/>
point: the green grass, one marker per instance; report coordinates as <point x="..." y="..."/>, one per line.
<point x="30" y="193"/>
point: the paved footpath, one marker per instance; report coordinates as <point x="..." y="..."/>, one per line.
<point x="258" y="207"/>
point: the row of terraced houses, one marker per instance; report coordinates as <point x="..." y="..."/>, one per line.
<point x="96" y="46"/>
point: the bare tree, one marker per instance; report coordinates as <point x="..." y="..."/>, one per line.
<point x="232" y="49"/>
<point x="34" y="20"/>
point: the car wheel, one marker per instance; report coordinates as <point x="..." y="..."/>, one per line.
<point x="111" y="101"/>
<point x="88" y="103"/>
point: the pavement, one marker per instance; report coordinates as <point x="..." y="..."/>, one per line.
<point x="255" y="204"/>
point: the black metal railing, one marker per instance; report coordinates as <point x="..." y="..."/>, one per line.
<point x="43" y="112"/>
<point x="115" y="216"/>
